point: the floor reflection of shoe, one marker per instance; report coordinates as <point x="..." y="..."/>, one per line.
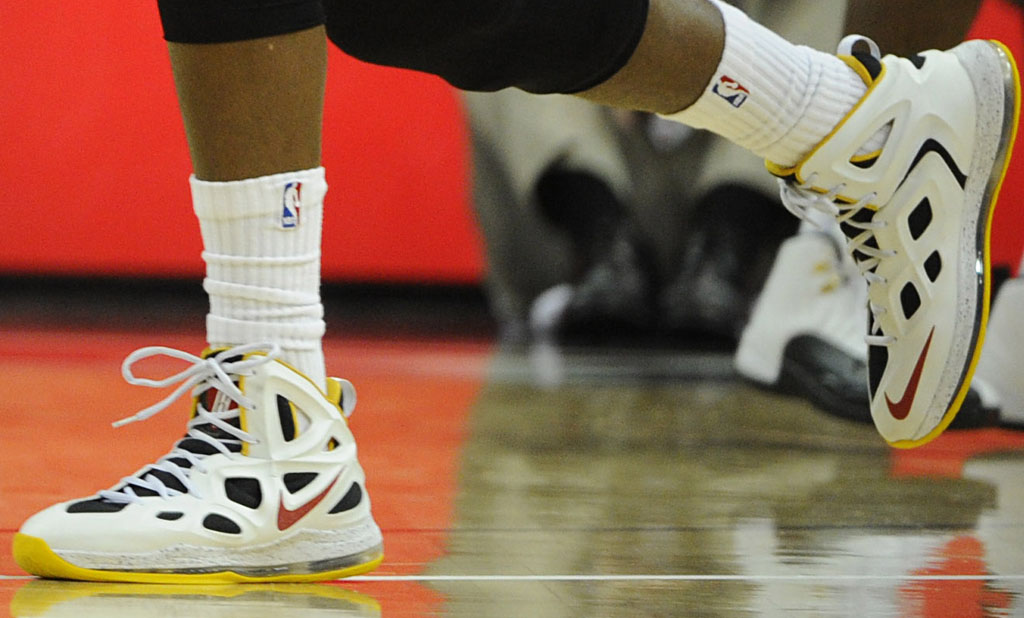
<point x="57" y="599"/>
<point x="805" y="335"/>
<point x="265" y="486"/>
<point x="917" y="212"/>
<point x="1001" y="367"/>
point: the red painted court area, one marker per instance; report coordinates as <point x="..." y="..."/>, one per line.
<point x="623" y="489"/>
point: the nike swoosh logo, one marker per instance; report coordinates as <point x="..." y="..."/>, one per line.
<point x="900" y="409"/>
<point x="286" y="518"/>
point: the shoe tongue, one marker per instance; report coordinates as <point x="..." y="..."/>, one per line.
<point x="212" y="400"/>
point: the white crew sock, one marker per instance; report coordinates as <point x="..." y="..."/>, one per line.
<point x="774" y="98"/>
<point x="262" y="252"/>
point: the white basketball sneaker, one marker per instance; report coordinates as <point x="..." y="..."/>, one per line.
<point x="805" y="336"/>
<point x="917" y="213"/>
<point x="265" y="486"/>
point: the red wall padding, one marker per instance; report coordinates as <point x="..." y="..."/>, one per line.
<point x="95" y="165"/>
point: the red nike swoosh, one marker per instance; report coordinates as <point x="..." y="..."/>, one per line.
<point x="286" y="518"/>
<point x="901" y="408"/>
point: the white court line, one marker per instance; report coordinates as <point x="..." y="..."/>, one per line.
<point x="674" y="577"/>
<point x="651" y="577"/>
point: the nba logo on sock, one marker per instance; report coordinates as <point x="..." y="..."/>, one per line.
<point x="731" y="90"/>
<point x="290" y="205"/>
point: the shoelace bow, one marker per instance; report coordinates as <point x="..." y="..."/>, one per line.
<point x="214" y="372"/>
<point x="799" y="199"/>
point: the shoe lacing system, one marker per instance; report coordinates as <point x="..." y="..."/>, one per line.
<point x="209" y="431"/>
<point x="801" y="198"/>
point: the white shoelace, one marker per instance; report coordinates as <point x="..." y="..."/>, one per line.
<point x="800" y="199"/>
<point x="213" y="372"/>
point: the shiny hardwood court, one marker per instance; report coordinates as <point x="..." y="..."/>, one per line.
<point x="549" y="483"/>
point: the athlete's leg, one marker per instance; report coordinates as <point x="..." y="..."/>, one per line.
<point x="253" y="107"/>
<point x="908" y="154"/>
<point x="912" y="173"/>
<point x="861" y="137"/>
<point x="682" y="39"/>
<point x="800" y="331"/>
<point x="253" y="111"/>
<point x="793" y="105"/>
<point x="656" y="56"/>
<point x="265" y="486"/>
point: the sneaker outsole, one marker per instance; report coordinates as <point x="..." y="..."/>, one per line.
<point x="35" y="556"/>
<point x="979" y="241"/>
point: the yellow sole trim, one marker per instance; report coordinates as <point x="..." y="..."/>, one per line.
<point x="35" y="556"/>
<point x="966" y="386"/>
<point x="39" y="597"/>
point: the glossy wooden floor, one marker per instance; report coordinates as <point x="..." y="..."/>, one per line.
<point x="547" y="484"/>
